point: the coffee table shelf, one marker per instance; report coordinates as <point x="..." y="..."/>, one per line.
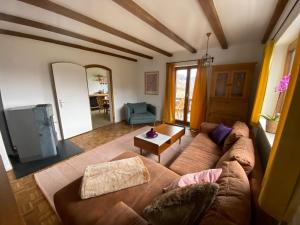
<point x="167" y="135"/>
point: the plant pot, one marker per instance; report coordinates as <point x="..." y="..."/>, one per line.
<point x="271" y="126"/>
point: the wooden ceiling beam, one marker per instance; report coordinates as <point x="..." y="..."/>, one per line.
<point x="276" y="15"/>
<point x="210" y="11"/>
<point x="53" y="41"/>
<point x="139" y="12"/>
<point x="43" y="26"/>
<point x="61" y="10"/>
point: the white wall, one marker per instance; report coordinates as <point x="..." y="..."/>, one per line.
<point x="235" y="54"/>
<point x="4" y="156"/>
<point x="94" y="85"/>
<point x="25" y="72"/>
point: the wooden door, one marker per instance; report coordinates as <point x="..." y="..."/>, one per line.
<point x="72" y="99"/>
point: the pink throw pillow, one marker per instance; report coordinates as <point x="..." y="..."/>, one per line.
<point x="205" y="176"/>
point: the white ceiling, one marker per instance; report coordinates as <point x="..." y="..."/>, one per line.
<point x="243" y="21"/>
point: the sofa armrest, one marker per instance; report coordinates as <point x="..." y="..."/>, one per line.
<point x="121" y="214"/>
<point x="151" y="108"/>
<point x="207" y="127"/>
<point x="127" y="112"/>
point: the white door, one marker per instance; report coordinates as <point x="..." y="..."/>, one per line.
<point x="72" y="98"/>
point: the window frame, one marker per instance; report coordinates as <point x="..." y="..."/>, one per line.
<point x="186" y="98"/>
<point x="291" y="48"/>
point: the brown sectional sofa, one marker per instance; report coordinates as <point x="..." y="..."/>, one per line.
<point x="232" y="205"/>
<point x="74" y="211"/>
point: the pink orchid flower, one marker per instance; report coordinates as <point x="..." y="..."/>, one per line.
<point x="283" y="84"/>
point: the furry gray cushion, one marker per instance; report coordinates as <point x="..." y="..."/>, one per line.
<point x="182" y="206"/>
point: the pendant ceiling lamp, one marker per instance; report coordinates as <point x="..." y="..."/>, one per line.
<point x="206" y="59"/>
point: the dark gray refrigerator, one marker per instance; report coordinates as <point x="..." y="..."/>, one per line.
<point x="32" y="131"/>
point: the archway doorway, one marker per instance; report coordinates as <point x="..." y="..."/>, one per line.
<point x="100" y="89"/>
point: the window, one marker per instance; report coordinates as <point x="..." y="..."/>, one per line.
<point x="282" y="60"/>
<point x="287" y="70"/>
<point x="185" y="82"/>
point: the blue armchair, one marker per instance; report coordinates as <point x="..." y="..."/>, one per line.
<point x="138" y="113"/>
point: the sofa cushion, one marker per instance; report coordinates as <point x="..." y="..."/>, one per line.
<point x="140" y="107"/>
<point x="74" y="211"/>
<point x="142" y="116"/>
<point x="182" y="206"/>
<point x="232" y="205"/>
<point x="121" y="214"/>
<point x="201" y="154"/>
<point x="241" y="151"/>
<point x="239" y="129"/>
<point x="137" y="118"/>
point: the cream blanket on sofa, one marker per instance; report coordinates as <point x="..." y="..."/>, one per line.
<point x="102" y="178"/>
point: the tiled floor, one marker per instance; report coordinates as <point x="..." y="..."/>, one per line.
<point x="32" y="204"/>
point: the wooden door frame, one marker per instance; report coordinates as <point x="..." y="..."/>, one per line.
<point x="111" y="86"/>
<point x="186" y="98"/>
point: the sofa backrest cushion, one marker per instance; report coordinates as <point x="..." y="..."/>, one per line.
<point x="140" y="107"/>
<point x="243" y="152"/>
<point x="201" y="154"/>
<point x="232" y="205"/>
<point x="239" y="129"/>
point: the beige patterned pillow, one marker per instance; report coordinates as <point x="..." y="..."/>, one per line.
<point x="113" y="176"/>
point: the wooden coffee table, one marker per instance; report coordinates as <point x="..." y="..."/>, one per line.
<point x="167" y="135"/>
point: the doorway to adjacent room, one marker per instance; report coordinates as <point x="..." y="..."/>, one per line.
<point x="99" y="82"/>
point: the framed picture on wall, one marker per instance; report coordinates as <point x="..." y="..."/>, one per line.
<point x="151" y="83"/>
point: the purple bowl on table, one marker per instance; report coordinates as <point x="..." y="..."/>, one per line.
<point x="151" y="134"/>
